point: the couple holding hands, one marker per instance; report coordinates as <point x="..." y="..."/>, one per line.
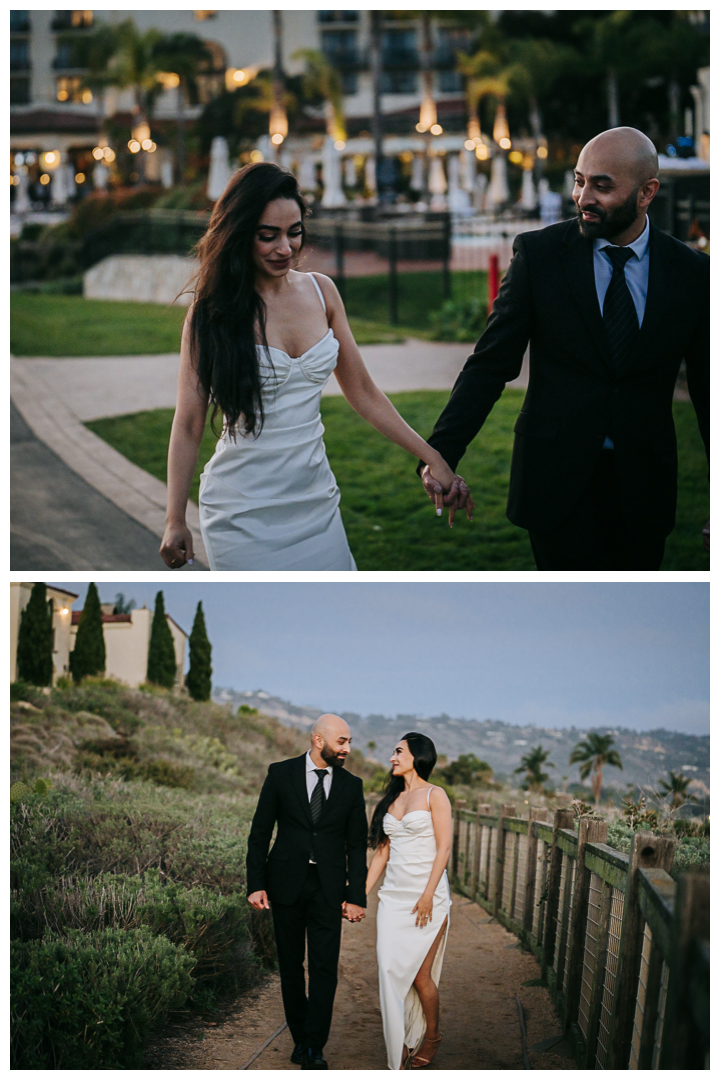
<point x="609" y="305"/>
<point x="316" y="874"/>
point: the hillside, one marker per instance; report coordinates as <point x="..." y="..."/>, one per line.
<point x="646" y="756"/>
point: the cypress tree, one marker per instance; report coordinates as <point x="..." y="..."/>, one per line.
<point x="162" y="667"/>
<point x="199" y="676"/>
<point x="88" y="656"/>
<point x="35" y="639"/>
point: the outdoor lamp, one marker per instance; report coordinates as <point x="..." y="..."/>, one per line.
<point x="278" y="125"/>
<point x="473" y="133"/>
<point x="428" y="115"/>
<point x="501" y="131"/>
<point x="107" y="153"/>
<point x="45" y="179"/>
<point x="98" y="153"/>
<point x="516" y="157"/>
<point x="542" y="151"/>
<point x="168" y="79"/>
<point x="141" y="132"/>
<point x="481" y="152"/>
<point x="134" y="146"/>
<point x="50" y="159"/>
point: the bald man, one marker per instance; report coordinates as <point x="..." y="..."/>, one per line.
<point x="610" y="306"/>
<point x="312" y="877"/>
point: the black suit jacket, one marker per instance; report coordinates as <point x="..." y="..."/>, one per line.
<point x="575" y="397"/>
<point x="338" y="840"/>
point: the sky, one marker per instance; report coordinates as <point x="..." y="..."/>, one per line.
<point x="632" y="655"/>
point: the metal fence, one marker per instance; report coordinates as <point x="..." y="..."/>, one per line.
<point x="623" y="948"/>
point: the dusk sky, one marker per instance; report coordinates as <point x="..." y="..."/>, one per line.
<point x="555" y="655"/>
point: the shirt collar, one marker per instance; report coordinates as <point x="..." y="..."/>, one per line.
<point x="310" y="765"/>
<point x="639" y="246"/>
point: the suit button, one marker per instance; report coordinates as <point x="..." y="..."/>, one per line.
<point x="314" y="834"/>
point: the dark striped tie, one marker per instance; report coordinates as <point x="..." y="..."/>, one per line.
<point x="317" y="799"/>
<point x="619" y="314"/>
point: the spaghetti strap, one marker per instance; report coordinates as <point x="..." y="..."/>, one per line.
<point x="318" y="290"/>
<point x="430" y="790"/>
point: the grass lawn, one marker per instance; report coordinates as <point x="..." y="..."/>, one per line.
<point x="59" y="325"/>
<point x="390" y="523"/>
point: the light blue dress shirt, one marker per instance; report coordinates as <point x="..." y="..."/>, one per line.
<point x="636" y="275"/>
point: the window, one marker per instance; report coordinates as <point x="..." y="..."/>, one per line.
<point x="340" y="46"/>
<point x="349" y="82"/>
<point x="72" y="20"/>
<point x="201" y="16"/>
<point x="399" y="82"/>
<point x="338" y="16"/>
<point x="70" y="88"/>
<point x="450" y="82"/>
<point x="450" y="42"/>
<point x="19" y="22"/>
<point x="399" y="47"/>
<point x="64" y="56"/>
<point x="19" y="55"/>
<point x="211" y="76"/>
<point x="19" y="91"/>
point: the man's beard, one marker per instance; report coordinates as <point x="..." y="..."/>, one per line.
<point x="331" y="758"/>
<point x="610" y="224"/>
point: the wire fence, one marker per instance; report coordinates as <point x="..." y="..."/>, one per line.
<point x="623" y="948"/>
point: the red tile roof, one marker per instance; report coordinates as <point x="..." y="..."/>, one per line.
<point x="106" y="618"/>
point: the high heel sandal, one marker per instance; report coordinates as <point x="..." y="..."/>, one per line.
<point x="426" y="1055"/>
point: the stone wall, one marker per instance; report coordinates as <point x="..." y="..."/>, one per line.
<point x="151" y="279"/>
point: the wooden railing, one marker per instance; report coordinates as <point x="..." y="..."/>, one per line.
<point x="624" y="950"/>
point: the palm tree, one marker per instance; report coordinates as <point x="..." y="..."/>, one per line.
<point x="531" y="764"/>
<point x="534" y="66"/>
<point x="184" y="55"/>
<point x="677" y="787"/>
<point x="321" y="79"/>
<point x="594" y="753"/>
<point x="486" y="75"/>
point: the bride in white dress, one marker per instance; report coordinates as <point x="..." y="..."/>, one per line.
<point x="412" y="831"/>
<point x="259" y="343"/>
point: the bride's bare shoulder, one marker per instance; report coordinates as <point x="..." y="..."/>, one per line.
<point x="439" y="797"/>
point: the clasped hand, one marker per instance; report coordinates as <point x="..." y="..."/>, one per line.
<point x="352" y="912"/>
<point x="456" y="497"/>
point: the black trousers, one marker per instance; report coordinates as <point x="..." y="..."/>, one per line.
<point x="308" y="1014"/>
<point x="595" y="536"/>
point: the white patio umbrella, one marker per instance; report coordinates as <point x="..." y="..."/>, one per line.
<point x="350" y="172"/>
<point x="437" y="184"/>
<point x="370" y="179"/>
<point x="100" y="176"/>
<point x="166" y="172"/>
<point x="219" y="172"/>
<point x="333" y="194"/>
<point x="528" y="195"/>
<point x="22" y="199"/>
<point x="306" y="174"/>
<point x="59" y="190"/>
<point x="498" y="192"/>
<point x="418" y="173"/>
<point x="458" y="198"/>
<point x="469" y="170"/>
<point x="480" y="193"/>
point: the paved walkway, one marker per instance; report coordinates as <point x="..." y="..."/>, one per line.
<point x="55" y="397"/>
<point x="60" y="522"/>
<point x="483" y="971"/>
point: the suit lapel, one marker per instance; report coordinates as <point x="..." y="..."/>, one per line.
<point x="338" y="780"/>
<point x="301" y="787"/>
<point x="580" y="274"/>
<point x="659" y="295"/>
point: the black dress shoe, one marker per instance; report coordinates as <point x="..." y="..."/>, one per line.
<point x="313" y="1059"/>
<point x="297" y="1055"/>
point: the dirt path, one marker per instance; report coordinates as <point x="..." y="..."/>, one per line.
<point x="483" y="971"/>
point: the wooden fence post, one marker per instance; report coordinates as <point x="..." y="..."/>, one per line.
<point x="598" y="980"/>
<point x="483" y="808"/>
<point x="684" y="1044"/>
<point x="589" y="829"/>
<point x="563" y="820"/>
<point x="488" y="855"/>
<point x="505" y="811"/>
<point x="646" y="1050"/>
<point x="537" y="813"/>
<point x="459" y="805"/>
<point x="647" y="851"/>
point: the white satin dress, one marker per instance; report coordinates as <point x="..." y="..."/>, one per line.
<point x="271" y="502"/>
<point x="401" y="945"/>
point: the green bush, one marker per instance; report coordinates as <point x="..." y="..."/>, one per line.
<point x="691" y="853"/>
<point x="459" y="320"/>
<point x="20" y="691"/>
<point x="113" y="702"/>
<point x="88" y="1001"/>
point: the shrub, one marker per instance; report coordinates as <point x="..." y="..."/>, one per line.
<point x="35" y="639"/>
<point x="88" y="656"/>
<point x="459" y="320"/>
<point x="88" y="1001"/>
<point x="20" y="690"/>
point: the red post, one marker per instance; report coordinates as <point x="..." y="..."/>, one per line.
<point x="493" y="281"/>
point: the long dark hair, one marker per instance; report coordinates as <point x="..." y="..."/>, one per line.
<point x="228" y="313"/>
<point x="424" y="756"/>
